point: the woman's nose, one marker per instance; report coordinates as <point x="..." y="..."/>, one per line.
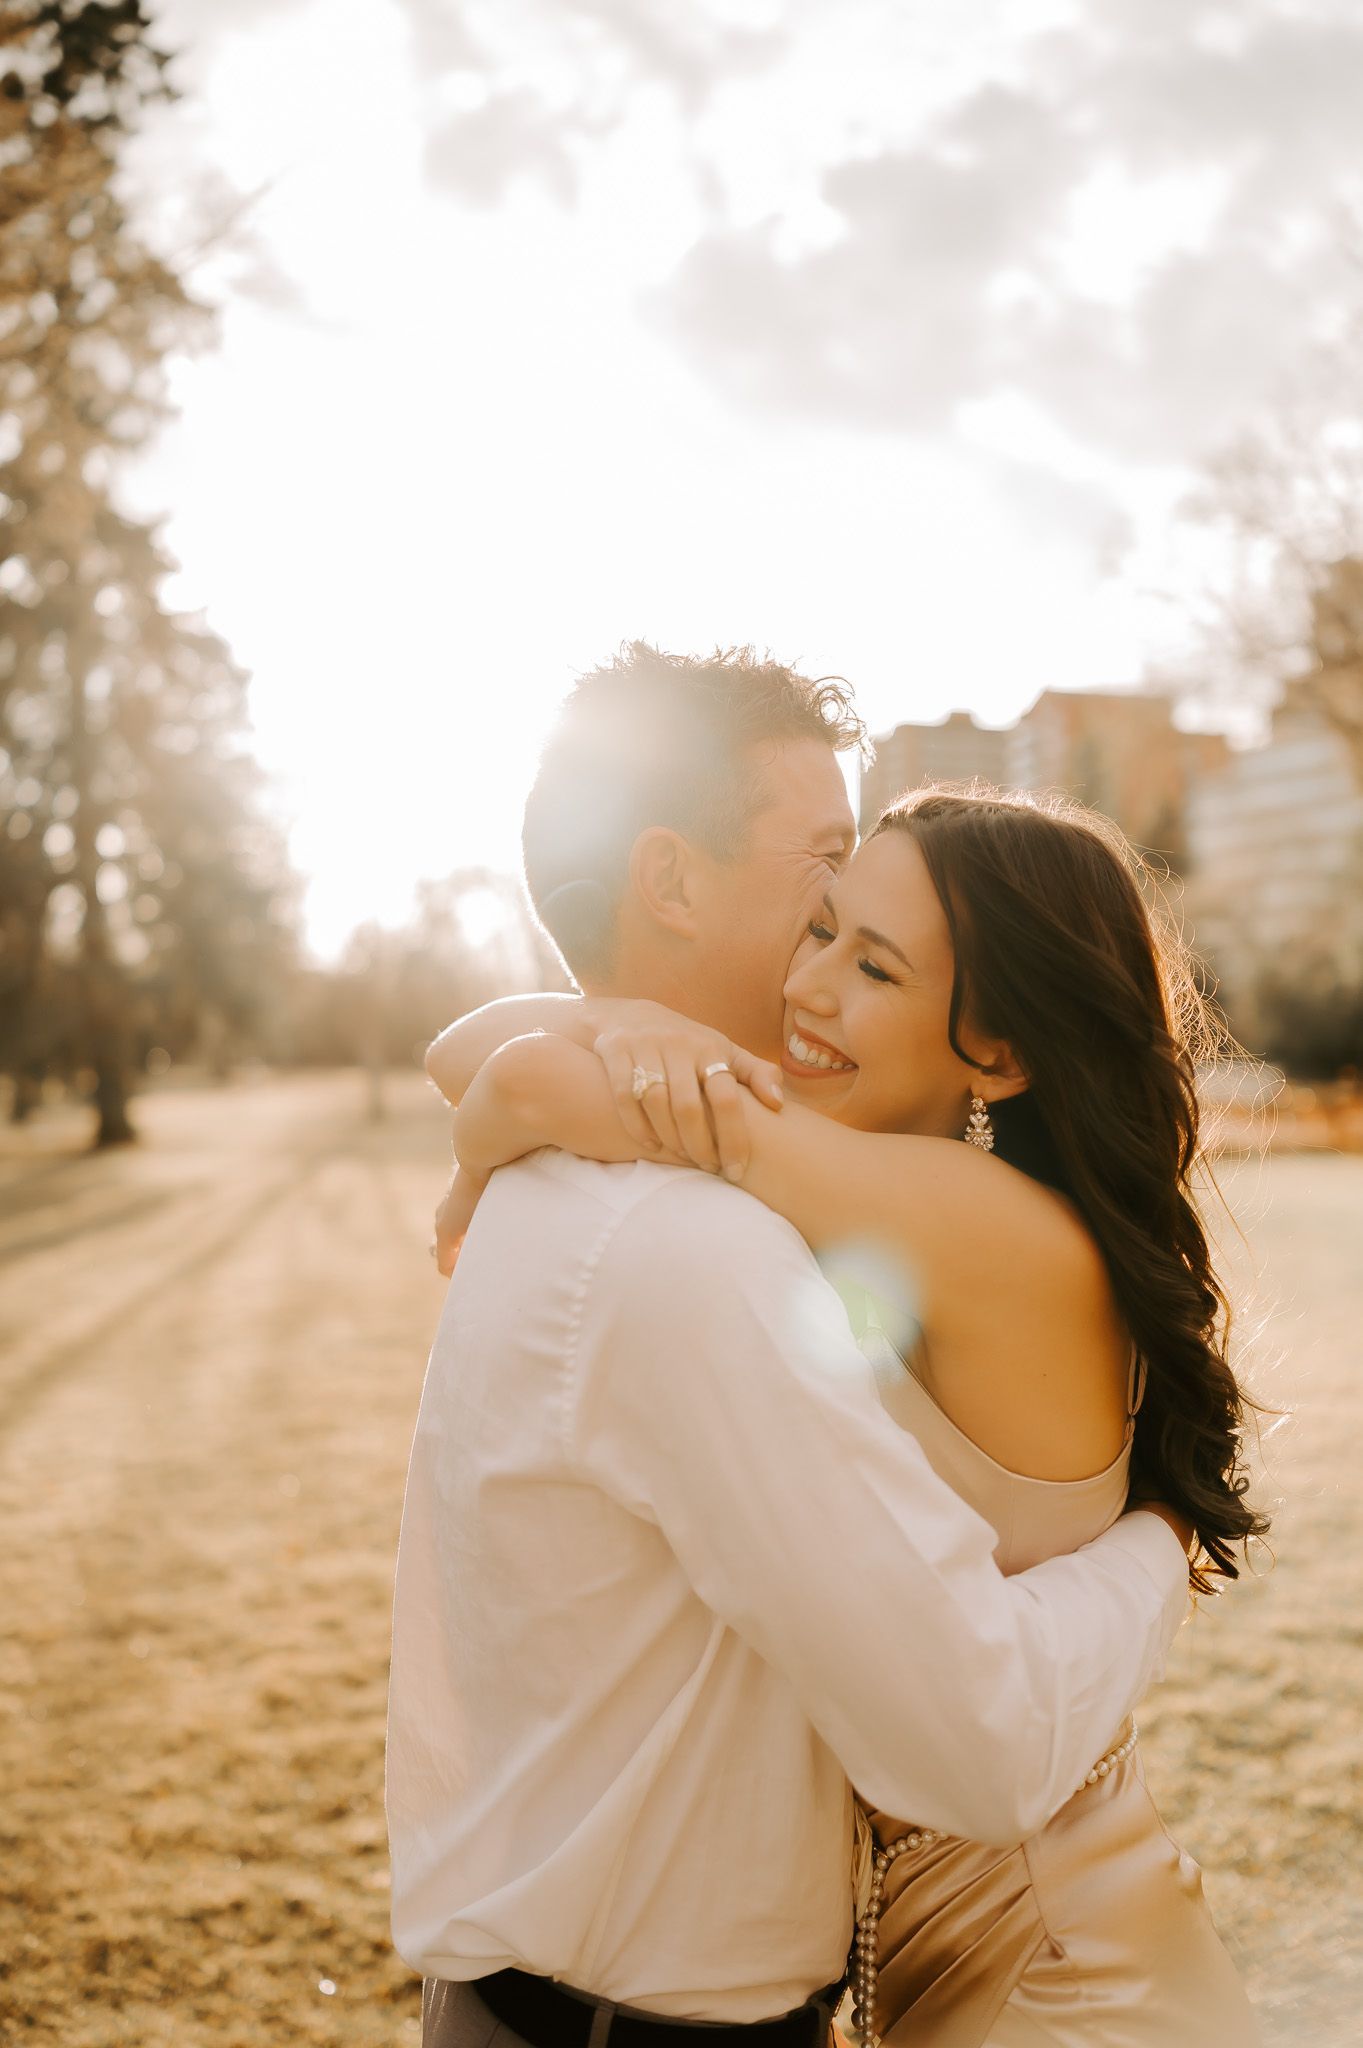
<point x="806" y="988"/>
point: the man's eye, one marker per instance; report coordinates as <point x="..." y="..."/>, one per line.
<point x="819" y="931"/>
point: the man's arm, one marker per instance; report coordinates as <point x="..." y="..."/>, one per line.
<point x="719" y="1391"/>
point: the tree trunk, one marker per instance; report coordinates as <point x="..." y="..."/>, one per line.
<point x="373" y="1071"/>
<point x="111" y="1100"/>
<point x="105" y="996"/>
<point x="24" y="1101"/>
<point x="107" y="1036"/>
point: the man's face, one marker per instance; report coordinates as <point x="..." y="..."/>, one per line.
<point x="758" y="908"/>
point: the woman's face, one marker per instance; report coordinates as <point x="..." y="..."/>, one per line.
<point x="868" y="999"/>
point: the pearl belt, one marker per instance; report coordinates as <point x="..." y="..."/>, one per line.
<point x="865" y="1964"/>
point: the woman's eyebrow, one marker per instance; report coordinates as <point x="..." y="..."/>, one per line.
<point x="864" y="931"/>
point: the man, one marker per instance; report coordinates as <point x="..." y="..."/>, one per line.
<point x="656" y="1519"/>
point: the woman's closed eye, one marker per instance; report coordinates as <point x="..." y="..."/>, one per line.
<point x="826" y="935"/>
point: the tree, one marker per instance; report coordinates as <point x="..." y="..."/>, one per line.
<point x="1286" y="501"/>
<point x="472" y="940"/>
<point x="1283" y="632"/>
<point x="1331" y="681"/>
<point x="132" y="846"/>
<point x="1310" y="1022"/>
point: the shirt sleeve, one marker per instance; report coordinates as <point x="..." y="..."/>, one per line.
<point x="717" y="1391"/>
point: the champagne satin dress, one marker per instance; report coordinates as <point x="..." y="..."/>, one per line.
<point x="1093" y="1933"/>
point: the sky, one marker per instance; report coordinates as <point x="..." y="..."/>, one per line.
<point x="887" y="336"/>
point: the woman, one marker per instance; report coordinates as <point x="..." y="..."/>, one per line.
<point x="985" y="969"/>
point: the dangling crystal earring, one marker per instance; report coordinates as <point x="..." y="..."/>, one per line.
<point x="979" y="1132"/>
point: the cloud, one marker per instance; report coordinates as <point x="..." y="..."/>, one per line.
<point x="189" y="27"/>
<point x="442" y="37"/>
<point x="263" y="280"/>
<point x="891" y="322"/>
<point x="953" y="273"/>
<point x="605" y="49"/>
<point x="689" y="49"/>
<point x="513" y="135"/>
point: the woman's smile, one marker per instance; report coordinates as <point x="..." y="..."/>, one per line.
<point x="812" y="1058"/>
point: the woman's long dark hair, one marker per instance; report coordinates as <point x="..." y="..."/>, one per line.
<point x="1059" y="955"/>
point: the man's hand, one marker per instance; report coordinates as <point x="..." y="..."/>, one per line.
<point x="454" y="1216"/>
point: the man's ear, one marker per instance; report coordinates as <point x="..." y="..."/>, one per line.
<point x="662" y="874"/>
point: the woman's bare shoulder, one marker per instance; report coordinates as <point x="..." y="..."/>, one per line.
<point x="1033" y="1360"/>
<point x="1031" y="1235"/>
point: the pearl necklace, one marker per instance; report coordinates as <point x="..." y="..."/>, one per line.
<point x="865" y="1948"/>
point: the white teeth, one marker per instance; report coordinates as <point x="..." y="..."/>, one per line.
<point x="813" y="1056"/>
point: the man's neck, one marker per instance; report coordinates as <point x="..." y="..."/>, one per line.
<point x="647" y="982"/>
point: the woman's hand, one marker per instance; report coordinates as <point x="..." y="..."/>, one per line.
<point x="454" y="1216"/>
<point x="678" y="1084"/>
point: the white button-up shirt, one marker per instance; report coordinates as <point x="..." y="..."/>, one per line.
<point x="669" y="1578"/>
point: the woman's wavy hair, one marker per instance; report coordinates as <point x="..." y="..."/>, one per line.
<point x="1060" y="954"/>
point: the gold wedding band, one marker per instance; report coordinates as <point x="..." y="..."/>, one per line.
<point x="641" y="1081"/>
<point x="715" y="1067"/>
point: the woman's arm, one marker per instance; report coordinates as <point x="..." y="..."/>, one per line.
<point x="522" y="1087"/>
<point x="541" y="1090"/>
<point x="1021" y="1343"/>
<point x="545" y="1090"/>
<point x="688" y="1109"/>
<point x="530" y="1092"/>
<point x="934" y="1199"/>
<point x="454" y="1058"/>
<point x="627" y="1033"/>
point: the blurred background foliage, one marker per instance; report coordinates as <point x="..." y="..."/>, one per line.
<point x="147" y="911"/>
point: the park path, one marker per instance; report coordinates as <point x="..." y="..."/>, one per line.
<point x="1252" y="1740"/>
<point x="210" y="1355"/>
<point x="211" y="1349"/>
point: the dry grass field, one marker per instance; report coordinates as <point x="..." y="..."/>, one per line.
<point x="211" y="1350"/>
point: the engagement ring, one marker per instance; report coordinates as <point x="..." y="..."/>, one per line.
<point x="642" y="1081"/>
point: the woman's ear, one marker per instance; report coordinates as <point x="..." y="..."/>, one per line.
<point x="662" y="874"/>
<point x="1001" y="1076"/>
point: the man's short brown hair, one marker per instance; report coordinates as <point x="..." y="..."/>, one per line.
<point x="658" y="739"/>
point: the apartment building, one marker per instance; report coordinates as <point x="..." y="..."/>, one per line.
<point x="956" y="749"/>
<point x="1275" y="845"/>
<point x="1267" y="839"/>
<point x="1118" y="750"/>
